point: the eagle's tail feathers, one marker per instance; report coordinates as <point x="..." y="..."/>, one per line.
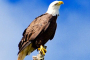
<point x="21" y="56"/>
<point x="29" y="49"/>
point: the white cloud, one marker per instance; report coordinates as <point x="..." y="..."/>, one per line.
<point x="13" y="20"/>
<point x="9" y="33"/>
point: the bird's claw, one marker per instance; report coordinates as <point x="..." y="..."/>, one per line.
<point x="42" y="49"/>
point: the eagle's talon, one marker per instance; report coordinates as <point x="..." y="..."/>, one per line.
<point x="42" y="49"/>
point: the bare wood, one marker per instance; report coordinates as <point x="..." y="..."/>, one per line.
<point x="39" y="56"/>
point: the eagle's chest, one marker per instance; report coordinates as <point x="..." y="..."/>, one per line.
<point x="50" y="29"/>
<point x="43" y="38"/>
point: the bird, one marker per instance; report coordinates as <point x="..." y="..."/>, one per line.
<point x="40" y="31"/>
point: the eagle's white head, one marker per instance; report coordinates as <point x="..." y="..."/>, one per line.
<point x="54" y="8"/>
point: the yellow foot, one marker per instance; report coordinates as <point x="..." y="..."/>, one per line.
<point x="42" y="49"/>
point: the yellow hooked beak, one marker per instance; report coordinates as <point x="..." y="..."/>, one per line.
<point x="60" y="2"/>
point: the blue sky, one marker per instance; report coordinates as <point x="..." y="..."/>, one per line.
<point x="72" y="38"/>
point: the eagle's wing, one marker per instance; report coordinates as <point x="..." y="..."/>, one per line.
<point x="40" y="24"/>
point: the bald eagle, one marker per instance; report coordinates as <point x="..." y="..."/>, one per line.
<point x="39" y="31"/>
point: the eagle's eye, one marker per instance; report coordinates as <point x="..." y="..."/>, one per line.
<point x="56" y="4"/>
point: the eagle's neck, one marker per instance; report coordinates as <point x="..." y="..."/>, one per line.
<point x="53" y="10"/>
